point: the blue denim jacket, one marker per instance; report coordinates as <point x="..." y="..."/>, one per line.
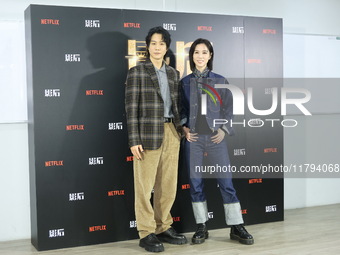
<point x="221" y="107"/>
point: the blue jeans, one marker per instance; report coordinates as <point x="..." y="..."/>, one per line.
<point x="217" y="155"/>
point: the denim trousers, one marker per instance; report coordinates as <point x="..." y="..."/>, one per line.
<point x="199" y="156"/>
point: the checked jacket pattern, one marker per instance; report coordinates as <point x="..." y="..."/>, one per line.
<point x="144" y="105"/>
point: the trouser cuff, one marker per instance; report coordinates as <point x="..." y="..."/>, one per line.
<point x="200" y="211"/>
<point x="233" y="215"/>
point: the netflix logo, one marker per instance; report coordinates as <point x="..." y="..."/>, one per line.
<point x="176" y="219"/>
<point x="131" y="25"/>
<point x="269" y="150"/>
<point x="49" y="22"/>
<point x="129" y="158"/>
<point x="205" y="28"/>
<point x="269" y="31"/>
<point x="185" y="186"/>
<point x="94" y="92"/>
<point x="54" y="163"/>
<point x="97" y="228"/>
<point x="75" y="127"/>
<point x="252" y="181"/>
<point x="116" y="193"/>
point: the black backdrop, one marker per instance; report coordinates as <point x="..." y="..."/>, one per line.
<point x="81" y="179"/>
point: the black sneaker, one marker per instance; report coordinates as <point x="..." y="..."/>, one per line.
<point x="239" y="233"/>
<point x="201" y="234"/>
<point x="171" y="236"/>
<point x="151" y="243"/>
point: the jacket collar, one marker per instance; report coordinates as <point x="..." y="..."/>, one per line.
<point x="153" y="76"/>
<point x="210" y="75"/>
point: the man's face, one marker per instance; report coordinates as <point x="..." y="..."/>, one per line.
<point x="157" y="47"/>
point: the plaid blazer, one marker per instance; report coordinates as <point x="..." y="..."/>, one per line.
<point x="144" y="105"/>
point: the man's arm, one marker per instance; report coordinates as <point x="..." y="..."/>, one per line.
<point x="132" y="95"/>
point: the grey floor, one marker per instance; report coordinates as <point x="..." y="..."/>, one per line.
<point x="312" y="230"/>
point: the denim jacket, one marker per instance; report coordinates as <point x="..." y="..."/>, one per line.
<point x="219" y="102"/>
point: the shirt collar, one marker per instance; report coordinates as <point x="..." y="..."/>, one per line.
<point x="162" y="69"/>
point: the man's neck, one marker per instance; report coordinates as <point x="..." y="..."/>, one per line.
<point x="157" y="63"/>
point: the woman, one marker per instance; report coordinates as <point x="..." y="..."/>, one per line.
<point x="202" y="104"/>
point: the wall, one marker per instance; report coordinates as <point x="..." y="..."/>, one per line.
<point x="312" y="140"/>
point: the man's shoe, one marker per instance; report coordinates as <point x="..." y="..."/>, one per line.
<point x="151" y="243"/>
<point x="171" y="236"/>
<point x="239" y="233"/>
<point x="201" y="234"/>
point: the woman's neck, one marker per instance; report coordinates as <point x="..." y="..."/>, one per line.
<point x="201" y="70"/>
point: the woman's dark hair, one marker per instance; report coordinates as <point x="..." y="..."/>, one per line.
<point x="192" y="50"/>
<point x="157" y="30"/>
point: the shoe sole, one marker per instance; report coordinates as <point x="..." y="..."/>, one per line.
<point x="199" y="240"/>
<point x="242" y="241"/>
<point x="152" y="249"/>
<point x="172" y="241"/>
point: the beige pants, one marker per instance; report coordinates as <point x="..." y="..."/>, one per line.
<point x="157" y="171"/>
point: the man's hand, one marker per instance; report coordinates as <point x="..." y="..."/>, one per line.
<point x="137" y="151"/>
<point x="191" y="137"/>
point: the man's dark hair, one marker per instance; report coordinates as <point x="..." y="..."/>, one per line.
<point x="192" y="50"/>
<point x="157" y="30"/>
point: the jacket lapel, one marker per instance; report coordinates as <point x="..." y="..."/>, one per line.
<point x="153" y="76"/>
<point x="171" y="80"/>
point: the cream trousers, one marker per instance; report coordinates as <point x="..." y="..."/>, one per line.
<point x="156" y="172"/>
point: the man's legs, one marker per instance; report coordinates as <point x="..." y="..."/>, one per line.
<point x="145" y="172"/>
<point x="166" y="186"/>
<point x="166" y="179"/>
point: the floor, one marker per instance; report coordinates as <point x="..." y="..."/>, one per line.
<point x="312" y="230"/>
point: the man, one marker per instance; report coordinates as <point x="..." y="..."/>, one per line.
<point x="152" y="111"/>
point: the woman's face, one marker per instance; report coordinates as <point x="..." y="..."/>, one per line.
<point x="201" y="56"/>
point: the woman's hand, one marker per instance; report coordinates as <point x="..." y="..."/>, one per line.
<point x="218" y="137"/>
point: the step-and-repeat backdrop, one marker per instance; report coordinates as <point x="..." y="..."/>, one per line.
<point x="81" y="177"/>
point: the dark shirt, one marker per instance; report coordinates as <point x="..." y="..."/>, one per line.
<point x="202" y="127"/>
